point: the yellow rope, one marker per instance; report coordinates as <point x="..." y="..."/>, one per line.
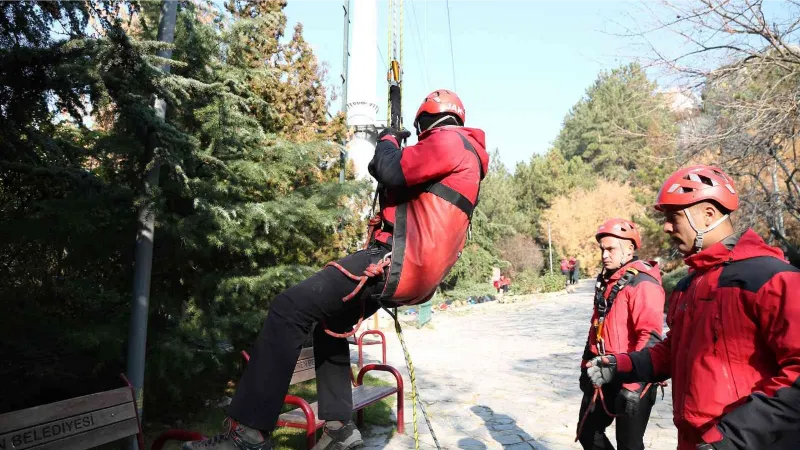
<point x="400" y="77"/>
<point x="414" y="393"/>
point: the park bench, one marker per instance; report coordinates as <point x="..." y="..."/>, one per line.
<point x="75" y="424"/>
<point x="305" y="415"/>
<point x="361" y="341"/>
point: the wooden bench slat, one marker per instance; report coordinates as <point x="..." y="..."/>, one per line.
<point x="306" y="353"/>
<point x="37" y="415"/>
<point x="77" y="425"/>
<point x="304" y="375"/>
<point x="362" y="396"/>
<point x="367" y="395"/>
<point x="304" y="364"/>
<point x="104" y="435"/>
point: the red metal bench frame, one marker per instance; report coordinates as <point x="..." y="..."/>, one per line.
<point x="311" y="426"/>
<point x="361" y="343"/>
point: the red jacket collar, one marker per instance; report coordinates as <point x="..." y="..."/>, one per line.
<point x="648" y="267"/>
<point x="749" y="245"/>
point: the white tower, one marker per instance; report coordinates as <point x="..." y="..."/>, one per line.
<point x="362" y="80"/>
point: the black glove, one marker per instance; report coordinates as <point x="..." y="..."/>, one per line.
<point x="705" y="447"/>
<point x="399" y="135"/>
<point x="627" y="402"/>
<point x="585" y="383"/>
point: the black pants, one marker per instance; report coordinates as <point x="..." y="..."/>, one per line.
<point x="260" y="393"/>
<point x="630" y="430"/>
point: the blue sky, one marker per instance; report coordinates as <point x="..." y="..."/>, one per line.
<point x="519" y="65"/>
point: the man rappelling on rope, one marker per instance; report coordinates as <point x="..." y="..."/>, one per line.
<point x="427" y="194"/>
<point x="733" y="347"/>
<point x="628" y="316"/>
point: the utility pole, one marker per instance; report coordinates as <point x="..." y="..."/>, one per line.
<point x="550" y="246"/>
<point x="137" y="337"/>
<point x="345" y="60"/>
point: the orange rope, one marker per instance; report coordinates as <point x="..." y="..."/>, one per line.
<point x="598" y="392"/>
<point x="373" y="270"/>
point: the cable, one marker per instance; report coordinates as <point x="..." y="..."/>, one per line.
<point x="421" y="46"/>
<point x="380" y="53"/>
<point x="452" y="59"/>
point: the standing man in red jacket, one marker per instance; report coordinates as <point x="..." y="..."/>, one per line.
<point x="733" y="348"/>
<point x="444" y="169"/>
<point x="628" y="316"/>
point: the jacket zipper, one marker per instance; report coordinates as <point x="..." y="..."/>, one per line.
<point x="726" y="359"/>
<point x="686" y="371"/>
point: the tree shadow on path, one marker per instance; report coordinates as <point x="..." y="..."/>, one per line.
<point x="503" y="429"/>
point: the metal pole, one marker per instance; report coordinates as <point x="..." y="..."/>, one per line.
<point x="137" y="337"/>
<point x="345" y="53"/>
<point x="550" y="246"/>
<point x="345" y="61"/>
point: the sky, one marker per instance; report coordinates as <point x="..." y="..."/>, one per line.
<point x="518" y="66"/>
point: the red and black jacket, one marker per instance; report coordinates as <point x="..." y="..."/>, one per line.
<point x="636" y="317"/>
<point x="430" y="190"/>
<point x="733" y="349"/>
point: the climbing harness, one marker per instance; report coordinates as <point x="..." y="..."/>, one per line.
<point x="603" y="306"/>
<point x="373" y="270"/>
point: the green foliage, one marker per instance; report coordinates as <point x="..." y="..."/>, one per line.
<point x="620" y="127"/>
<point x="499" y="199"/>
<point x="551" y="282"/>
<point x="670" y="280"/>
<point x="543" y="179"/>
<point x="530" y="282"/>
<point x="464" y="290"/>
<point x="241" y="210"/>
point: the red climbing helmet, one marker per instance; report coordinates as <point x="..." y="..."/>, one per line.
<point x="442" y="101"/>
<point x="694" y="184"/>
<point x="621" y="228"/>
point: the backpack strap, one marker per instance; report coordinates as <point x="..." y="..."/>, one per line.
<point x="604" y="304"/>
<point x="454" y="197"/>
<point x="450" y="195"/>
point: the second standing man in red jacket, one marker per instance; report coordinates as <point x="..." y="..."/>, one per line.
<point x="733" y="348"/>
<point x="628" y="315"/>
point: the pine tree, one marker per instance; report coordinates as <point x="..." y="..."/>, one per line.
<point x="621" y="127"/>
<point x="242" y="212"/>
<point x="254" y="47"/>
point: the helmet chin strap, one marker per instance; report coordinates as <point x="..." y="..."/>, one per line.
<point x="698" y="240"/>
<point x="622" y="262"/>
<point x="434" y="124"/>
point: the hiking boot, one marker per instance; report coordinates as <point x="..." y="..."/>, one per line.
<point x="237" y="437"/>
<point x="339" y="436"/>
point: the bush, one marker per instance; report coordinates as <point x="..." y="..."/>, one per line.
<point x="529" y="282"/>
<point x="551" y="282"/>
<point x="672" y="278"/>
<point x="522" y="253"/>
<point x="465" y="290"/>
<point x="525" y="282"/>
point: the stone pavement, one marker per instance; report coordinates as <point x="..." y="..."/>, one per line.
<point x="503" y="376"/>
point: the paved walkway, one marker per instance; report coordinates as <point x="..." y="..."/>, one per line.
<point x="503" y="376"/>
